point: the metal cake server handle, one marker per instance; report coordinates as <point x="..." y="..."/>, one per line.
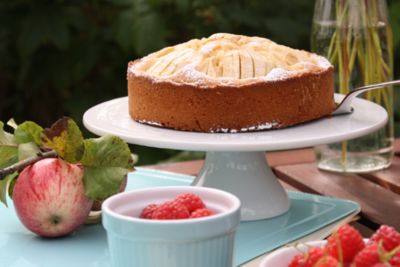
<point x="345" y="106"/>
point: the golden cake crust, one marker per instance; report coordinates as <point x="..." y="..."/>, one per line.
<point x="198" y="102"/>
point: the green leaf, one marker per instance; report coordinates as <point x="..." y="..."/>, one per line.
<point x="5" y="185"/>
<point x="183" y="5"/>
<point x="43" y="26"/>
<point x="6" y="138"/>
<point x="30" y="37"/>
<point x="27" y="150"/>
<point x="8" y="155"/>
<point x="102" y="182"/>
<point x="148" y="33"/>
<point x="59" y="33"/>
<point x="11" y="187"/>
<point x="8" y="148"/>
<point x="124" y="30"/>
<point x="65" y="138"/>
<point x="106" y="161"/>
<point x="107" y="150"/>
<point x="120" y="2"/>
<point x="12" y="123"/>
<point x="28" y="132"/>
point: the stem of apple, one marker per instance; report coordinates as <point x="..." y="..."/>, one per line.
<point x="22" y="164"/>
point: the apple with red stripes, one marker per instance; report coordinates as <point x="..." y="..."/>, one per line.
<point x="49" y="197"/>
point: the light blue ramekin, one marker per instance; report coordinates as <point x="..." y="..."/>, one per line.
<point x="201" y="242"/>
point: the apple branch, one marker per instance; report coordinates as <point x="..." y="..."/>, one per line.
<point x="23" y="163"/>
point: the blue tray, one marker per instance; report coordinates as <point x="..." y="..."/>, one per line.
<point x="88" y="247"/>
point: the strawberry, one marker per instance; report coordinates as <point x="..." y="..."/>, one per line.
<point x="201" y="213"/>
<point x="147" y="212"/>
<point x="327" y="261"/>
<point x="191" y="201"/>
<point x="380" y="265"/>
<point x="170" y="210"/>
<point x="389" y="236"/>
<point x="307" y="259"/>
<point x="345" y="243"/>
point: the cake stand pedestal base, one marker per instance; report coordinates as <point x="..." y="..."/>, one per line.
<point x="249" y="177"/>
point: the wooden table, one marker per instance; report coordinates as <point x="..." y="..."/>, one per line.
<point x="378" y="193"/>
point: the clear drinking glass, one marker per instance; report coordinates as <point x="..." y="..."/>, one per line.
<point x="356" y="37"/>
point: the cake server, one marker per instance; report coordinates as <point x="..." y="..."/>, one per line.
<point x="344" y="107"/>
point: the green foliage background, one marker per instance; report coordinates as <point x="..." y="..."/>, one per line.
<point x="60" y="57"/>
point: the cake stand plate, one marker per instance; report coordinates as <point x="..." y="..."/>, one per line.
<point x="235" y="162"/>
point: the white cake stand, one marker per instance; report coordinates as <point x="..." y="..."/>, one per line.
<point x="236" y="162"/>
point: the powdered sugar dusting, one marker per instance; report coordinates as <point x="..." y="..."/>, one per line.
<point x="191" y="72"/>
<point x="322" y="62"/>
<point x="260" y="127"/>
<point x="154" y="123"/>
<point x="133" y="67"/>
<point x="207" y="48"/>
<point x="277" y="74"/>
<point x="219" y="55"/>
<point x="307" y="65"/>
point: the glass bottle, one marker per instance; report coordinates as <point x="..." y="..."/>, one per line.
<point x="356" y="37"/>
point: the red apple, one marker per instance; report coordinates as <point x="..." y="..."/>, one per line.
<point x="49" y="197"/>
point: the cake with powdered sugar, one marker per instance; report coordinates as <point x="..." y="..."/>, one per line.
<point x="229" y="83"/>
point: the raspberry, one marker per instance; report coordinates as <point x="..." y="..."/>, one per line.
<point x="345" y="243"/>
<point x="170" y="210"/>
<point x="201" y="213"/>
<point x="307" y="259"/>
<point x="147" y="212"/>
<point x="389" y="236"/>
<point x="368" y="256"/>
<point x="328" y="261"/>
<point x="191" y="201"/>
<point x="395" y="260"/>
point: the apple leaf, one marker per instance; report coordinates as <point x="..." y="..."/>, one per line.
<point x="107" y="150"/>
<point x="6" y="138"/>
<point x="8" y="148"/>
<point x="11" y="187"/>
<point x="11" y="122"/>
<point x="4" y="187"/>
<point x="27" y="150"/>
<point x="8" y="155"/>
<point x="28" y="132"/>
<point x="106" y="160"/>
<point x="102" y="182"/>
<point x="66" y="139"/>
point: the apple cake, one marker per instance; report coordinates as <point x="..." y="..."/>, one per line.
<point x="229" y="83"/>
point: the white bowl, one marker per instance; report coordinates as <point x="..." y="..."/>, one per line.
<point x="200" y="242"/>
<point x="283" y="256"/>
